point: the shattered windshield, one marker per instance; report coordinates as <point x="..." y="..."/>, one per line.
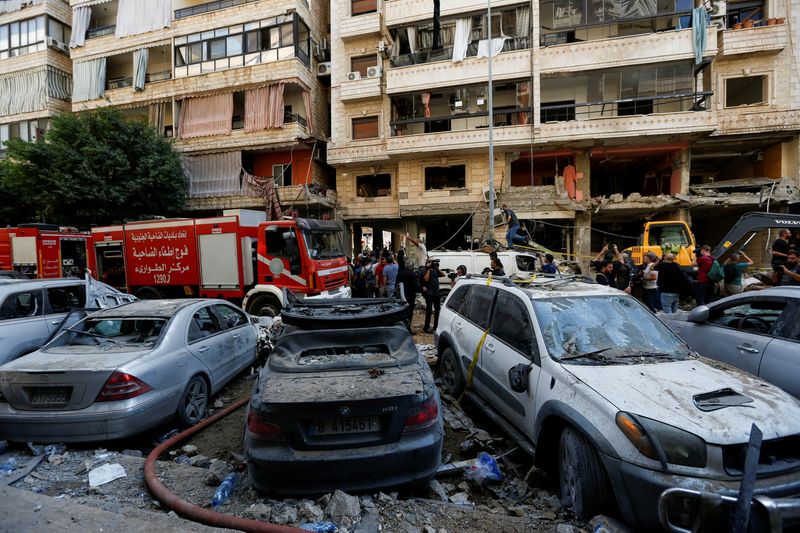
<point x="118" y="333"/>
<point x="323" y="244"/>
<point x="604" y="328"/>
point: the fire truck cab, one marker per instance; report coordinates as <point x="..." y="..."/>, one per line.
<point x="44" y="251"/>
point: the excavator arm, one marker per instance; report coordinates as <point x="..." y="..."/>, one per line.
<point x="749" y="225"/>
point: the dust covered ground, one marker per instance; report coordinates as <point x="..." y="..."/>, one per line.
<point x="525" y="500"/>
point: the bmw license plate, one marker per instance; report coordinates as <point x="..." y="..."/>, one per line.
<point x="50" y="396"/>
<point x="363" y="424"/>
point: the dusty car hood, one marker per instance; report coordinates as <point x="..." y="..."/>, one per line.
<point x="665" y="391"/>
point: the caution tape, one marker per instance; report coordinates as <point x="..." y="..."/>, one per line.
<point x="476" y="355"/>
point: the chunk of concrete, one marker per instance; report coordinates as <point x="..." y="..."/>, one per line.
<point x="343" y="505"/>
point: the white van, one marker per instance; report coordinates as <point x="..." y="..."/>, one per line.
<point x="515" y="264"/>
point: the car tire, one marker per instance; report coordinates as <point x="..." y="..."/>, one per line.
<point x="452" y="378"/>
<point x="149" y="293"/>
<point x="584" y="484"/>
<point x="265" y="305"/>
<point x="194" y="402"/>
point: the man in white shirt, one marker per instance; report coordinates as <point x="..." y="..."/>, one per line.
<point x="650" y="281"/>
<point x="422" y="251"/>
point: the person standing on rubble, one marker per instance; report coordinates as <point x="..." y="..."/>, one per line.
<point x="670" y="282"/>
<point x="430" y="290"/>
<point x="422" y="250"/>
<point x="703" y="287"/>
<point x="407" y="278"/>
<point x="512" y="235"/>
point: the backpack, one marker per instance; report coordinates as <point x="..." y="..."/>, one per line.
<point x="369" y="276"/>
<point x="715" y="273"/>
<point x="730" y="273"/>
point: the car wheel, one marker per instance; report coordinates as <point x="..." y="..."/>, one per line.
<point x="452" y="379"/>
<point x="584" y="485"/>
<point x="149" y="293"/>
<point x="265" y="306"/>
<point x="194" y="402"/>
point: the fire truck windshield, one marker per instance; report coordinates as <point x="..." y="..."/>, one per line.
<point x="323" y="244"/>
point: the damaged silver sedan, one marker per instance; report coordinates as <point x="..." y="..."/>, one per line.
<point x="343" y="407"/>
<point x="121" y="371"/>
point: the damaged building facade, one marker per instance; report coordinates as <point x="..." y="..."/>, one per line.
<point x="231" y="81"/>
<point x="35" y="68"/>
<point x="606" y="115"/>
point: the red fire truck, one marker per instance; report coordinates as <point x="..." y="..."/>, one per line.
<point x="44" y="251"/>
<point x="243" y="259"/>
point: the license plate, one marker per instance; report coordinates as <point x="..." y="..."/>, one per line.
<point x="50" y="396"/>
<point x="363" y="424"/>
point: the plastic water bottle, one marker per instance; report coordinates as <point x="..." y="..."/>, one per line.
<point x="9" y="466"/>
<point x="224" y="490"/>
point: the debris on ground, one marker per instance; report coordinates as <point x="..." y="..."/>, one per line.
<point x="484" y="469"/>
<point x="106" y="474"/>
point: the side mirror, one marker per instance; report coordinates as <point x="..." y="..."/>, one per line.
<point x="699" y="314"/>
<point x="518" y="377"/>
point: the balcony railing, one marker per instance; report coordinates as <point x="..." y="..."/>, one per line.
<point x="446" y="52"/>
<point x="646" y="105"/>
<point x="118" y="83"/>
<point x="209" y="7"/>
<point x="100" y="31"/>
<point x="461" y="122"/>
<point x="288" y="118"/>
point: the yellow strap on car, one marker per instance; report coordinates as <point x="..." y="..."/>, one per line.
<point x="471" y="369"/>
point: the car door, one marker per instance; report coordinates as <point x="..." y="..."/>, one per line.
<point x="210" y="343"/>
<point x="737" y="332"/>
<point x="22" y="325"/>
<point x="510" y="343"/>
<point x="241" y="331"/>
<point x="781" y="362"/>
<point x="469" y="327"/>
<point x="60" y="301"/>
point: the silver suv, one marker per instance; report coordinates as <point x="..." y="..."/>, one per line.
<point x="604" y="395"/>
<point x="31" y="311"/>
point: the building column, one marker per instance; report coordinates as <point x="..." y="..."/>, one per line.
<point x="582" y="239"/>
<point x="357" y="236"/>
<point x="583" y="164"/>
<point x="790" y="164"/>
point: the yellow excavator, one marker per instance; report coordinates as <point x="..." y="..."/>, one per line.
<point x="674" y="236"/>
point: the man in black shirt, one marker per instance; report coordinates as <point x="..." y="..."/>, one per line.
<point x="407" y="276"/>
<point x="670" y="282"/>
<point x="430" y="290"/>
<point x="780" y="248"/>
<point x="604" y="273"/>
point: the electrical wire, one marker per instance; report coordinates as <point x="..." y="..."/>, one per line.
<point x="469" y="217"/>
<point x="591" y="228"/>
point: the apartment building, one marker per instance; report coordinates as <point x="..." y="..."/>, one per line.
<point x="606" y="113"/>
<point x="35" y="69"/>
<point x="233" y="82"/>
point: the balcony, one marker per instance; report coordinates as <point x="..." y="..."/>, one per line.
<point x="360" y="25"/>
<point x="404" y="11"/>
<point x="357" y="152"/>
<point x="737" y="121"/>
<point x="463" y="133"/>
<point x="238" y="138"/>
<point x="444" y="72"/>
<point x="287" y="194"/>
<point x="208" y="7"/>
<point x="622" y="51"/>
<point x="351" y="91"/>
<point x="101" y="31"/>
<point x="122" y="82"/>
<point x="757" y="40"/>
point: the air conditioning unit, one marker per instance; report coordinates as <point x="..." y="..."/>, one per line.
<point x="486" y="194"/>
<point x="374" y="72"/>
<point x="55" y="43"/>
<point x="719" y="9"/>
<point x="321" y="50"/>
<point x="353" y="76"/>
<point x="324" y="69"/>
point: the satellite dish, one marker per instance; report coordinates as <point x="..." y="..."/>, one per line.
<point x="276" y="267"/>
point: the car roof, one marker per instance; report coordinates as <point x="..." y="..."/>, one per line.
<point x="149" y="308"/>
<point x="23" y="284"/>
<point x="785" y="292"/>
<point x="547" y="286"/>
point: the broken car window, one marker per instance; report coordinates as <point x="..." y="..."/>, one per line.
<point x="21" y="305"/>
<point x="608" y="325"/>
<point x="126" y="333"/>
<point x="512" y="324"/>
<point x="756" y="316"/>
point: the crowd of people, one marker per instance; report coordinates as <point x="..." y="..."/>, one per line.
<point x="660" y="281"/>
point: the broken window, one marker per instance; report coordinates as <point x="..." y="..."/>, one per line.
<point x="452" y="177"/>
<point x="512" y="324"/>
<point x="749" y="90"/>
<point x="755" y="316"/>
<point x="63" y="299"/>
<point x="477" y="308"/>
<point x="362" y="63"/>
<point x="203" y="324"/>
<point x="365" y="128"/>
<point x="374" y="185"/>
<point x="21" y="305"/>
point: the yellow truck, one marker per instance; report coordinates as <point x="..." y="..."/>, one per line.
<point x="665" y="236"/>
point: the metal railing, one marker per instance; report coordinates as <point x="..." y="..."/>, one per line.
<point x="100" y="31"/>
<point x="446" y="53"/>
<point x="209" y="7"/>
<point x="288" y="118"/>
<point x="643" y="105"/>
<point x="461" y="121"/>
<point x="118" y="83"/>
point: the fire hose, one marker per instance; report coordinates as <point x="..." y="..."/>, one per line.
<point x="193" y="512"/>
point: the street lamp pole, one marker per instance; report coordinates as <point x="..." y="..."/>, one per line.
<point x="491" y="120"/>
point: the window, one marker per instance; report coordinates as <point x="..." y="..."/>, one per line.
<point x="457" y="298"/>
<point x="512" y="325"/>
<point x="453" y="177"/>
<point x="362" y="7"/>
<point x="738" y="12"/>
<point x="554" y="112"/>
<point x="374" y="186"/>
<point x="234" y="45"/>
<point x="231" y="318"/>
<point x="788" y="325"/>
<point x="21" y="305"/>
<point x="216" y="49"/>
<point x="478" y="307"/>
<point x="755" y="316"/>
<point x="63" y="299"/>
<point x="750" y="90"/>
<point x="25" y="36"/>
<point x="362" y="64"/>
<point x="365" y="128"/>
<point x="203" y="324"/>
<point x="282" y="174"/>
<point x="276" y="243"/>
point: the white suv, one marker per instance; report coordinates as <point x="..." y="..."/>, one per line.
<point x="609" y="399"/>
